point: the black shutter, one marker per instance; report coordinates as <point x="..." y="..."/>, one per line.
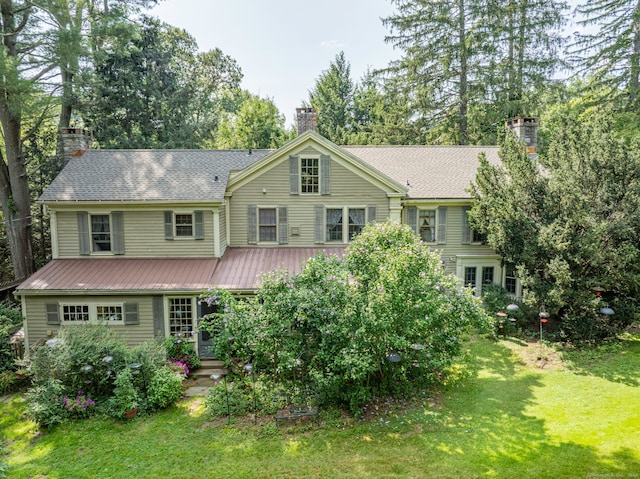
<point x="412" y="218"/>
<point x="371" y="214"/>
<point x="325" y="175"/>
<point x="319" y="224"/>
<point x="283" y="225"/>
<point x="158" y="316"/>
<point x="441" y="234"/>
<point x="294" y="175"/>
<point x="466" y="229"/>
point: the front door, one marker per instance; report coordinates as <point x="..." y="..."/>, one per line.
<point x="204" y="337"/>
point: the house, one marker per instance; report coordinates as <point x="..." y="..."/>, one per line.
<point x="137" y="235"/>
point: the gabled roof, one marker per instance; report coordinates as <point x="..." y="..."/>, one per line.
<point x="338" y="153"/>
<point x="443" y="172"/>
<point x="149" y="175"/>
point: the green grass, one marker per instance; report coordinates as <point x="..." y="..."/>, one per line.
<point x="507" y="420"/>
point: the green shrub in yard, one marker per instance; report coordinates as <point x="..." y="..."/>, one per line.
<point x="89" y="368"/>
<point x="45" y="402"/>
<point x="385" y="320"/>
<point x="182" y="351"/>
<point x="164" y="389"/>
<point x="237" y="394"/>
<point x="10" y="321"/>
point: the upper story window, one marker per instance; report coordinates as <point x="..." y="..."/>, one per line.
<point x="342" y="224"/>
<point x="267" y="224"/>
<point x="309" y="175"/>
<point x="427" y="225"/>
<point x="100" y="233"/>
<point x="184" y="225"/>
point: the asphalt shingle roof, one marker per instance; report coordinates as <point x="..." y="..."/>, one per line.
<point x="149" y="175"/>
<point x="431" y="171"/>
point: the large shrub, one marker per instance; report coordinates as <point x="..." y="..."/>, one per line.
<point x="384" y="319"/>
<point x="88" y="367"/>
<point x="10" y="321"/>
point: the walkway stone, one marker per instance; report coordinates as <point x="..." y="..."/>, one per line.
<point x="197" y="391"/>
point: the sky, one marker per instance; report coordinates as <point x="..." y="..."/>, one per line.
<point x="283" y="46"/>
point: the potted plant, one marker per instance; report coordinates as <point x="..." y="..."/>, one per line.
<point x="125" y="399"/>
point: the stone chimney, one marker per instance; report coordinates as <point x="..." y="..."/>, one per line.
<point x="526" y="129"/>
<point x="306" y="119"/>
<point x="76" y="141"/>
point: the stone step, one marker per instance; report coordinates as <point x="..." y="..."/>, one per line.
<point x="211" y="363"/>
<point x="207" y="372"/>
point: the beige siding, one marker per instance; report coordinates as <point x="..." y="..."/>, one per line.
<point x="453" y="247"/>
<point x="223" y="230"/>
<point x="143" y="235"/>
<point x="347" y="189"/>
<point x="39" y="330"/>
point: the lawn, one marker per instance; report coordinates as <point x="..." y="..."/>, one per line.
<point x="575" y="417"/>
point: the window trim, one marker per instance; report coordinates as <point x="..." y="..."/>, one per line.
<point x="191" y="336"/>
<point x="91" y="234"/>
<point x="345" y="236"/>
<point x="274" y="225"/>
<point x="435" y="224"/>
<point x="316" y="158"/>
<point x="92" y="312"/>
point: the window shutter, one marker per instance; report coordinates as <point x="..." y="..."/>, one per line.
<point x="371" y="214"/>
<point x="131" y="313"/>
<point x="53" y="314"/>
<point x="441" y="233"/>
<point x="198" y="219"/>
<point x="252" y="219"/>
<point x="412" y="218"/>
<point x="158" y="316"/>
<point x="84" y="240"/>
<point x="294" y="175"/>
<point x="466" y="229"/>
<point x="319" y="224"/>
<point x="325" y="175"/>
<point x="117" y="231"/>
<point x="283" y="225"/>
<point x="168" y="225"/>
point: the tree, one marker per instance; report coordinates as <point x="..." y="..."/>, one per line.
<point x="609" y="48"/>
<point x="569" y="223"/>
<point x="157" y="91"/>
<point x="469" y="61"/>
<point x="14" y="183"/>
<point x="257" y="124"/>
<point x="385" y="320"/>
<point x="332" y="97"/>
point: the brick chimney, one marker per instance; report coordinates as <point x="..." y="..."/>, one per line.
<point x="526" y="129"/>
<point x="76" y="141"/>
<point x="306" y="119"/>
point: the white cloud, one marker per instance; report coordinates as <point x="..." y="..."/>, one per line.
<point x="332" y="44"/>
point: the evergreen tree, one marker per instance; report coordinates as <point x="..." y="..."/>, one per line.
<point x="332" y="97"/>
<point x="609" y="47"/>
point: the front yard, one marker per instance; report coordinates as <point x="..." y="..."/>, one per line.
<point x="523" y="412"/>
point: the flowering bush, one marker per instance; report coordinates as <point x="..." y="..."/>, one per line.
<point x="383" y="320"/>
<point x="80" y="406"/>
<point x="179" y="367"/>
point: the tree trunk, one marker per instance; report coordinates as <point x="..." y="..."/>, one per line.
<point x="14" y="184"/>
<point x="463" y="138"/>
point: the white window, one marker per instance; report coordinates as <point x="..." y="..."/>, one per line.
<point x="181" y="317"/>
<point x="75" y="313"/>
<point x="309" y="175"/>
<point x="80" y="313"/>
<point x="100" y="233"/>
<point x="427" y="225"/>
<point x="337" y="229"/>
